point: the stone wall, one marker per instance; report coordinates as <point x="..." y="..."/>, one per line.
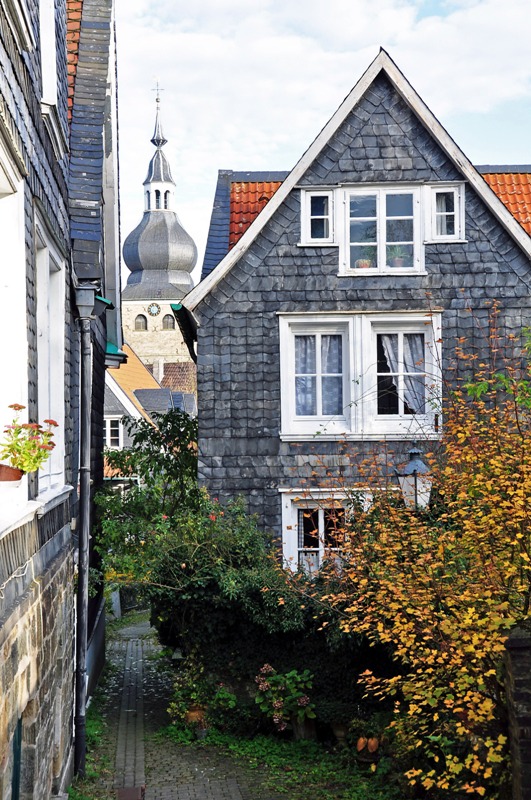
<point x="37" y="656"/>
<point x="518" y="684"/>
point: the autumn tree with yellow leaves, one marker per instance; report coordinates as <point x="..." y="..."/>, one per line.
<point x="443" y="587"/>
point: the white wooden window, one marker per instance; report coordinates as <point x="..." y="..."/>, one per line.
<point x="446" y="219"/>
<point x="51" y="353"/>
<point x="313" y="527"/>
<point x="360" y="375"/>
<point x="317" y="223"/>
<point x="383" y="230"/>
<point x="113" y="433"/>
<point x="314" y="365"/>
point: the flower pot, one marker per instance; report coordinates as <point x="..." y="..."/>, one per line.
<point x="340" y="730"/>
<point x="363" y="263"/>
<point x="10" y="477"/>
<point x="398" y="262"/>
<point x="195" y="716"/>
<point x="303" y="728"/>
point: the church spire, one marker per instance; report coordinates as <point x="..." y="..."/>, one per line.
<point x="158" y="137"/>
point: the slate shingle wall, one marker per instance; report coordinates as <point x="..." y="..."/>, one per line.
<point x="238" y="338"/>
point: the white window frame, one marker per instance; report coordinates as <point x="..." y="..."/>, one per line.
<point x="381" y="267"/>
<point x="360" y="419"/>
<point x="306" y="218"/>
<point x="458" y="190"/>
<point x="51" y="352"/>
<point x="302" y="326"/>
<point x="107" y="433"/>
<point x="19" y="21"/>
<point x="294" y="500"/>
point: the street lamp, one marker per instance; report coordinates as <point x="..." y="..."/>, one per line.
<point x="414" y="483"/>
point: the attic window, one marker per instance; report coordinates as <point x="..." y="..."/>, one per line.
<point x="446" y="221"/>
<point x="317" y="217"/>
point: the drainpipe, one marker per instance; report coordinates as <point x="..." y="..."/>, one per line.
<point x="85" y="298"/>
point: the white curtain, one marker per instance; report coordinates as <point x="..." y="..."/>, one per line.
<point x="332" y="368"/>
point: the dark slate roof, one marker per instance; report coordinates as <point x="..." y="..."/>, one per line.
<point x="217" y="245"/>
<point x="159" y="169"/>
<point x="86" y="138"/>
<point x="159" y="401"/>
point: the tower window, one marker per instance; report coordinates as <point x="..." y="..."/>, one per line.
<point x="141" y="323"/>
<point x="166" y="200"/>
<point x="148" y="200"/>
<point x="168" y="323"/>
<point x="157" y="198"/>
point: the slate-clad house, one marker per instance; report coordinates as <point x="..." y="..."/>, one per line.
<point x="331" y="322"/>
<point x="58" y="251"/>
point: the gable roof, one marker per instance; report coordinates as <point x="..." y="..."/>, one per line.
<point x="512" y="184"/>
<point x="131" y="376"/>
<point x="239" y="198"/>
<point x="381" y="64"/>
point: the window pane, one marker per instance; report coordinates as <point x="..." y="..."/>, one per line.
<point x="331" y="354"/>
<point x="319" y="229"/>
<point x="399" y="230"/>
<point x="444" y="202"/>
<point x="363" y="256"/>
<point x="445" y="224"/>
<point x="399" y="205"/>
<point x="362" y="231"/>
<point x="399" y="256"/>
<point x="305" y="355"/>
<point x="309" y="561"/>
<point x="387" y="395"/>
<point x="306" y="396"/>
<point x="334" y="526"/>
<point x="414" y="352"/>
<point x="319" y="206"/>
<point x="387" y="357"/>
<point x="414" y="394"/>
<point x="332" y="396"/>
<point x="308" y="527"/>
<point x="363" y="205"/>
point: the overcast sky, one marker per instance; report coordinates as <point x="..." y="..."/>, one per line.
<point x="248" y="84"/>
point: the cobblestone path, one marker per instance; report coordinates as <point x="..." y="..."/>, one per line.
<point x="138" y="710"/>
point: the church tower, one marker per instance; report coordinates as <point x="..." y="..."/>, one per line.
<point x="161" y="256"/>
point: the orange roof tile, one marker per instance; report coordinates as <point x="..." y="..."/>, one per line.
<point x="246" y="201"/>
<point x="134" y="375"/>
<point x="514" y="190"/>
<point x="74" y="10"/>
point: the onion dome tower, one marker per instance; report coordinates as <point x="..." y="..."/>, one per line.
<point x="159" y="252"/>
<point x="161" y="256"/>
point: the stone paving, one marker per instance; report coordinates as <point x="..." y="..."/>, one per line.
<point x="168" y="770"/>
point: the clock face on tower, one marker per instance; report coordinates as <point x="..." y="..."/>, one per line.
<point x="153" y="309"/>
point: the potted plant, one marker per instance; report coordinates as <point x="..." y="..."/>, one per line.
<point x="396" y="256"/>
<point x="25" y="447"/>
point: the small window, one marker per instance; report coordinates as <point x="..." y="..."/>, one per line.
<point x="113" y="434"/>
<point x="168" y="323"/>
<point x="148" y="200"/>
<point x="157" y="198"/>
<point x="141" y="323"/>
<point x="320" y="532"/>
<point x="318" y="220"/>
<point x="166" y="200"/>
<point x="446" y="222"/>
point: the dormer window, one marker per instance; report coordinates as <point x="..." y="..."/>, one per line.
<point x="382" y="229"/>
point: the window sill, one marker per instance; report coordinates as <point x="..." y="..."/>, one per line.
<point x="358" y="437"/>
<point x="17" y="513"/>
<point x="445" y="241"/>
<point x="363" y="273"/>
<point x="317" y="243"/>
<point x="52" y="498"/>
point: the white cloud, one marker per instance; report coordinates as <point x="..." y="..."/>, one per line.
<point x="249" y="85"/>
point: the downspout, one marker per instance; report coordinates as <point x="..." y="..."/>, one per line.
<point x="85" y="298"/>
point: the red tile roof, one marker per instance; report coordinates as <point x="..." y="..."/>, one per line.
<point x="514" y="190"/>
<point x="74" y="9"/>
<point x="246" y="201"/>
